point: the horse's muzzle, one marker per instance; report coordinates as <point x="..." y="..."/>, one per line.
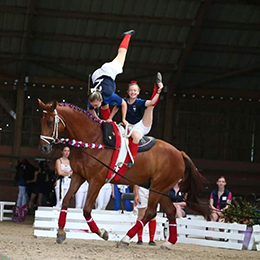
<point x="45" y="148"/>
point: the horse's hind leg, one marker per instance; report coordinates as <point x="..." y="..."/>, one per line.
<point x="150" y="213"/>
<point x="170" y="211"/>
<point x="76" y="181"/>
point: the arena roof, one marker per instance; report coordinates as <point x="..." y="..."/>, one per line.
<point x="197" y="45"/>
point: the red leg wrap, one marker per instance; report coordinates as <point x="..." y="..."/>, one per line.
<point x="92" y="225"/>
<point x="62" y="218"/>
<point x="155" y="89"/>
<point x="139" y="224"/>
<point x="105" y="113"/>
<point x="172" y="232"/>
<point x="152" y="228"/>
<point x="140" y="234"/>
<point x="125" y="42"/>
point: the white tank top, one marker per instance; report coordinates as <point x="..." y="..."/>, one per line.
<point x="65" y="167"/>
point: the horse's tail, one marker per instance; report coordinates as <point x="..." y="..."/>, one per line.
<point x="192" y="184"/>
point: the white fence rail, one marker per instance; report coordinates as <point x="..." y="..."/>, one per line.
<point x="116" y="223"/>
<point x="207" y="233"/>
<point x="255" y="237"/>
<point x="6" y="210"/>
<point x="191" y="230"/>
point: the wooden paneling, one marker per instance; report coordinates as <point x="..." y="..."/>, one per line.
<point x="217" y="130"/>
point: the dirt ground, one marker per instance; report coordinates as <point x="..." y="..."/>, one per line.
<point x="18" y="243"/>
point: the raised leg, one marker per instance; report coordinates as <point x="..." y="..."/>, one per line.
<point x="123" y="47"/>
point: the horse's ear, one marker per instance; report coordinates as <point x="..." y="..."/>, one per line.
<point x="41" y="104"/>
<point x="53" y="105"/>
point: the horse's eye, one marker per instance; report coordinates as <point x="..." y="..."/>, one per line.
<point x="49" y="123"/>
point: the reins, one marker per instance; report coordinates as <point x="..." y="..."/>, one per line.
<point x="80" y="144"/>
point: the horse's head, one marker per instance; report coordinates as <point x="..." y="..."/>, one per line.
<point x="51" y="125"/>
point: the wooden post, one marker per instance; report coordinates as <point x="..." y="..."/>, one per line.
<point x="19" y="118"/>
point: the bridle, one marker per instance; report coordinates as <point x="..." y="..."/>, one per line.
<point x="55" y="134"/>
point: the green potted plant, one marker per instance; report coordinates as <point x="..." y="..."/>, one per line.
<point x="243" y="212"/>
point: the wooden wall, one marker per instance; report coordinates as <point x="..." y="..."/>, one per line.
<point x="215" y="132"/>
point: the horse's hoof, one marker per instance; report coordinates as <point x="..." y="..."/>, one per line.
<point x="167" y="245"/>
<point x="122" y="244"/>
<point x="125" y="241"/>
<point x="61" y="238"/>
<point x="104" y="234"/>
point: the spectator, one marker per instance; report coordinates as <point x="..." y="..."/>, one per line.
<point x="104" y="196"/>
<point x="20" y="178"/>
<point x="141" y="202"/>
<point x="30" y="172"/>
<point x="39" y="187"/>
<point x="178" y="200"/>
<point x="219" y="200"/>
<point x="21" y="208"/>
<point x="50" y="198"/>
<point x="118" y="190"/>
<point x="64" y="171"/>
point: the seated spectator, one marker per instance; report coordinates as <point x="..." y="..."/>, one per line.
<point x="220" y="199"/>
<point x="116" y="194"/>
<point x="178" y="200"/>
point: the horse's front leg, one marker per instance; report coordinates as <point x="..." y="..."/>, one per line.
<point x="76" y="181"/>
<point x="93" y="190"/>
<point x="150" y="213"/>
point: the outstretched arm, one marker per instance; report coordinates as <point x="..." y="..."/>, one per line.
<point x="112" y="114"/>
<point x="93" y="113"/>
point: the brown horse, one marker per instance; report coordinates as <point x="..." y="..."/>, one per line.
<point x="162" y="166"/>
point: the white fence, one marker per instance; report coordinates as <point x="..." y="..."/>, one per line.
<point x="255" y="237"/>
<point x="191" y="230"/>
<point x="116" y="223"/>
<point x="6" y="210"/>
<point x="207" y="233"/>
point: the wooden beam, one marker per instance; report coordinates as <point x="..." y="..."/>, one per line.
<point x="65" y="71"/>
<point x="81" y="61"/>
<point x="174" y="82"/>
<point x="20" y="89"/>
<point x="231" y="25"/>
<point x="88" y="39"/>
<point x="257" y="2"/>
<point x="226" y="49"/>
<point x="56" y="81"/>
<point x="100" y="16"/>
<point x="238" y="93"/>
<point x="224" y="76"/>
<point x="105" y="40"/>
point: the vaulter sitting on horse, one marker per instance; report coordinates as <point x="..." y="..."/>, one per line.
<point x="103" y="94"/>
<point x="139" y="113"/>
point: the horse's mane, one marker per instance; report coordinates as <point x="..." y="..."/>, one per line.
<point x="84" y="111"/>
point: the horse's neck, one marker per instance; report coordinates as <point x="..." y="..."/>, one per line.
<point x="80" y="127"/>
